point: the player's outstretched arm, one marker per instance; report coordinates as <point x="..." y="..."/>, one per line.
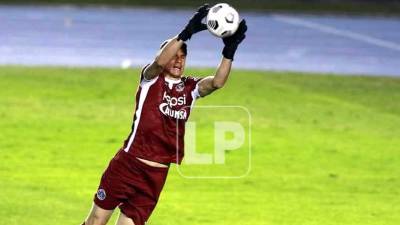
<point x="212" y="83"/>
<point x="171" y="48"/>
<point x="165" y="54"/>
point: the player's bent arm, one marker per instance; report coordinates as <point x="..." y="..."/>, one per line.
<point x="212" y="83"/>
<point x="171" y="48"/>
<point x="163" y="57"/>
<point x="152" y="70"/>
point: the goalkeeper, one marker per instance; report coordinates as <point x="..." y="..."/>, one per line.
<point x="136" y="175"/>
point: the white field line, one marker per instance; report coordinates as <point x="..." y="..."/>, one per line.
<point x="338" y="32"/>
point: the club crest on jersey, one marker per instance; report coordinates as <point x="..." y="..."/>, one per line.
<point x="101" y="194"/>
<point x="167" y="107"/>
<point x="180" y="87"/>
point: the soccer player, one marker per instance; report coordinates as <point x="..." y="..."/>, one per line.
<point x="136" y="175"/>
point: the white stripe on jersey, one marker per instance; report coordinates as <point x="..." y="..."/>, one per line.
<point x="195" y="92"/>
<point x="145" y="86"/>
<point x="195" y="95"/>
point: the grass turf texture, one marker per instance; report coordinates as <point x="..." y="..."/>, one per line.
<point x="325" y="148"/>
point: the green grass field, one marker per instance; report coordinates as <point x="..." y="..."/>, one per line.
<point x="326" y="149"/>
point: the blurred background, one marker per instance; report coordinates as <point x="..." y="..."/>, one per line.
<point x="320" y="79"/>
<point x="284" y="35"/>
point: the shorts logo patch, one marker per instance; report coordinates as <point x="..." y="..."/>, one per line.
<point x="101" y="194"/>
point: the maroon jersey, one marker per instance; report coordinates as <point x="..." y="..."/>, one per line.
<point x="162" y="108"/>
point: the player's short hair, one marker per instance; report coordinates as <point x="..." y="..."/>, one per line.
<point x="183" y="47"/>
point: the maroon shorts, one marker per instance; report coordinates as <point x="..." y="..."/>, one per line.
<point x="131" y="185"/>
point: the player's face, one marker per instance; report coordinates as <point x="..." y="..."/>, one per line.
<point x="176" y="66"/>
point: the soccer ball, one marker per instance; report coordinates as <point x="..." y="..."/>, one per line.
<point x="222" y="20"/>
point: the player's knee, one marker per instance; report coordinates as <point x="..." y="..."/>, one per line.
<point x="96" y="219"/>
<point x="95" y="222"/>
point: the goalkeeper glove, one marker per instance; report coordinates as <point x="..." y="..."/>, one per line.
<point x="195" y="25"/>
<point x="232" y="42"/>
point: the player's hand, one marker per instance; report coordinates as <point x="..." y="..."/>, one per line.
<point x="195" y="25"/>
<point x="232" y="42"/>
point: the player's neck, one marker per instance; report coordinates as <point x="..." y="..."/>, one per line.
<point x="169" y="76"/>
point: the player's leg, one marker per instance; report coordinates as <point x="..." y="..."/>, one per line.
<point x="98" y="216"/>
<point x="109" y="195"/>
<point x="148" y="184"/>
<point x="124" y="220"/>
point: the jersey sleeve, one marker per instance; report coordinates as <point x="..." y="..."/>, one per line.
<point x="193" y="84"/>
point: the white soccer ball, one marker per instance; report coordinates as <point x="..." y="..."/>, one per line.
<point x="222" y="20"/>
